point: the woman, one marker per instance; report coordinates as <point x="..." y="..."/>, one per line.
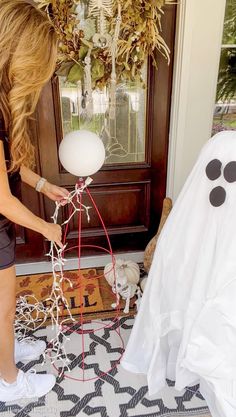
<point x="28" y="50"/>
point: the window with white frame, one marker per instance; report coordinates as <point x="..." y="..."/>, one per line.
<point x="225" y="108"/>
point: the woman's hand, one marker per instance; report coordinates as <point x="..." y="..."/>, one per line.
<point x="54" y="192"/>
<point x="53" y="233"/>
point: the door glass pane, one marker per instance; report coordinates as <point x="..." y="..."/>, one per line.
<point x="225" y="108"/>
<point x="123" y="137"/>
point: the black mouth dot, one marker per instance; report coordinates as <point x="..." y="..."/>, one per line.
<point x="217" y="196"/>
<point x="230" y="172"/>
<point x="213" y="169"/>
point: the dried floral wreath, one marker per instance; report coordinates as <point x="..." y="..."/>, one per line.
<point x="109" y="40"/>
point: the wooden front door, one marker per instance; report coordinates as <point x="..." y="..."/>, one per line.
<point x="128" y="194"/>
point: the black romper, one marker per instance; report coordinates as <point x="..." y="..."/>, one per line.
<point x="7" y="228"/>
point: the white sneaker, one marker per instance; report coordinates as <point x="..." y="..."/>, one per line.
<point x="28" y="349"/>
<point x="27" y="385"/>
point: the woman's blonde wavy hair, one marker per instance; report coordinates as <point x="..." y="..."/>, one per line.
<point x="28" y="51"/>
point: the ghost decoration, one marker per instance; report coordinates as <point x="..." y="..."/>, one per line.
<point x="82" y="153"/>
<point x="185" y="329"/>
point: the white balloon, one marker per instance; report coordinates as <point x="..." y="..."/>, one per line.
<point x="82" y="153"/>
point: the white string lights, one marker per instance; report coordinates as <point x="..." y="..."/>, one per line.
<point x="31" y="314"/>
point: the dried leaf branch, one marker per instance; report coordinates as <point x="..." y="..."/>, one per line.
<point x="140" y="36"/>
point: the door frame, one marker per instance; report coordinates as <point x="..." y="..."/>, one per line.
<point x="196" y="65"/>
<point x="158" y="122"/>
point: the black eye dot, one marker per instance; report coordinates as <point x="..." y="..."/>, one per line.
<point x="217" y="196"/>
<point x="213" y="169"/>
<point x="230" y="171"/>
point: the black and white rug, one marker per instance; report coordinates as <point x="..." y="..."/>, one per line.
<point x="116" y="394"/>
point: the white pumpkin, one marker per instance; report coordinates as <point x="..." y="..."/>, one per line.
<point x="129" y="268"/>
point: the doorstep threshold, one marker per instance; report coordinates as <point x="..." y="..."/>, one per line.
<point x="72" y="263"/>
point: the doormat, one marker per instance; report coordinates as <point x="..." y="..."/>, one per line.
<point x="84" y="295"/>
<point x="40" y="286"/>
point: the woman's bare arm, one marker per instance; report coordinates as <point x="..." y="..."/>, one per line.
<point x="15" y="211"/>
<point x="28" y="176"/>
<point x="51" y="191"/>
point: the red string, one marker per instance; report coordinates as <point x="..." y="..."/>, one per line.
<point x="81" y="183"/>
<point x="82" y="332"/>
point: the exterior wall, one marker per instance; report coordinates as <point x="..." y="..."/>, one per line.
<point x="197" y="55"/>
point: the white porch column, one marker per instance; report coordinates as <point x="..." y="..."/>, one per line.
<point x="197" y="54"/>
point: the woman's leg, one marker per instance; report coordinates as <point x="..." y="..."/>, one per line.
<point x="28" y="385"/>
<point x="8" y="368"/>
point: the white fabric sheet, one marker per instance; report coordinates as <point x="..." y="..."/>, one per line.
<point x="185" y="329"/>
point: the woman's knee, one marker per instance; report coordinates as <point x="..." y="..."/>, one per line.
<point x="7" y="294"/>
